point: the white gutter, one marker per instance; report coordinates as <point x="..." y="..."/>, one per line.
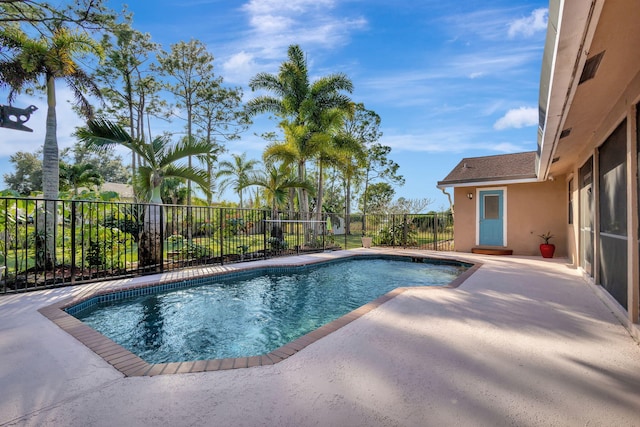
<point x="486" y="183"/>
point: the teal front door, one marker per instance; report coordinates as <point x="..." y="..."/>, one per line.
<point x="491" y="228"/>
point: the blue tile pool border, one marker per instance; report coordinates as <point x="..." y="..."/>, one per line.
<point x="119" y="295"/>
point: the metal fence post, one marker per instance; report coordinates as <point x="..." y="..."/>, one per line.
<point x="435" y="231"/>
<point x="404" y="230"/>
<point x="393" y="230"/>
<point x="221" y="234"/>
<point x="324" y="232"/>
<point x="346" y="221"/>
<point x="264" y="234"/>
<point x="161" y="238"/>
<point x="73" y="242"/>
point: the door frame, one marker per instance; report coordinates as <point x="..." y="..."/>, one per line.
<point x="504" y="213"/>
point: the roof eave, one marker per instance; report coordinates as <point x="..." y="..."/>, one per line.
<point x="571" y="28"/>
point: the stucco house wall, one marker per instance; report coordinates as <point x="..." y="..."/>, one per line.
<point x="532" y="209"/>
<point x="587" y="156"/>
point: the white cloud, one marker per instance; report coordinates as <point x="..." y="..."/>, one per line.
<point x="270" y="24"/>
<point x="517" y="118"/>
<point x="529" y="25"/>
<point x="493" y="62"/>
<point x="261" y="7"/>
<point x="487" y="24"/>
<point x="239" y="68"/>
<point x="449" y="139"/>
<point x="275" y="24"/>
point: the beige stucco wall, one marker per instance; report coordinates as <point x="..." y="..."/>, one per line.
<point x="573" y="229"/>
<point x="532" y="209"/>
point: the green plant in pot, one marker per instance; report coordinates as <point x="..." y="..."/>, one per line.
<point x="547" y="249"/>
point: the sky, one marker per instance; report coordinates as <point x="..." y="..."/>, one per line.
<point x="449" y="79"/>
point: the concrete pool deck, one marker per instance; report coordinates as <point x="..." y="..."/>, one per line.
<point x="523" y="341"/>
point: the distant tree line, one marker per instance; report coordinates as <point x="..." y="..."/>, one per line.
<point x="323" y="153"/>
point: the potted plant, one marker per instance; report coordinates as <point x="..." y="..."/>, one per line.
<point x="366" y="241"/>
<point x="547" y="249"/>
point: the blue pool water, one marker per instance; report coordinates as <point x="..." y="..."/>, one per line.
<point x="255" y="314"/>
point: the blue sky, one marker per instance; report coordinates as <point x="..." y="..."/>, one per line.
<point x="449" y="79"/>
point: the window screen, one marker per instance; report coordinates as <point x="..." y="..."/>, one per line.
<point x="613" y="214"/>
<point x="613" y="183"/>
<point x="491" y="207"/>
<point x="585" y="218"/>
<point x="570" y="201"/>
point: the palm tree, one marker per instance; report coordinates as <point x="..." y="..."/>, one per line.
<point x="276" y="182"/>
<point x="297" y="148"/>
<point x="51" y="58"/>
<point x="25" y="61"/>
<point x="333" y="147"/>
<point x="159" y="162"/>
<point x="78" y="175"/>
<point x="301" y="104"/>
<point x="235" y="173"/>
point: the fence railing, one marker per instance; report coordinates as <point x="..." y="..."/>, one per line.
<point x="51" y="243"/>
<point x="433" y="231"/>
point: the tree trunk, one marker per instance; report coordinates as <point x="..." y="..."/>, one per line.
<point x="364" y="204"/>
<point x="150" y="247"/>
<point x="129" y="97"/>
<point x="347" y="209"/>
<point x="302" y="193"/>
<point x="50" y="181"/>
<point x="291" y="202"/>
<point x="318" y="215"/>
<point x="189" y="162"/>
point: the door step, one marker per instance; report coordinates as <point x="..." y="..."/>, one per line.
<point x="492" y="251"/>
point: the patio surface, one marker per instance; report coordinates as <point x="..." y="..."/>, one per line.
<point x="523" y="341"/>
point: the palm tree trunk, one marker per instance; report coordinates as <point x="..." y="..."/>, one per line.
<point x="150" y="245"/>
<point x="318" y="215"/>
<point x="291" y="205"/>
<point x="50" y="180"/>
<point x="304" y="199"/>
<point x="364" y="203"/>
<point x="347" y="207"/>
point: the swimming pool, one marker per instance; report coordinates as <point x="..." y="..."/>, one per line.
<point x="251" y="313"/>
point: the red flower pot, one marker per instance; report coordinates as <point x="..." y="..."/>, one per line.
<point x="547" y="250"/>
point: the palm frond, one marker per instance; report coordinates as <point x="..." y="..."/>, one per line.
<point x="185" y="149"/>
<point x="284" y="152"/>
<point x="143" y="180"/>
<point x="332" y="83"/>
<point x="264" y="104"/>
<point x="104" y="134"/>
<point x="196" y="175"/>
<point x="266" y="81"/>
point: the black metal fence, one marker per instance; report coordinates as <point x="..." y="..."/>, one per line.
<point x="50" y="243"/>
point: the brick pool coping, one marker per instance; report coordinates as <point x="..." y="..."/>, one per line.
<point x="131" y="365"/>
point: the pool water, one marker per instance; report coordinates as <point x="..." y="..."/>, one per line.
<point x="256" y="314"/>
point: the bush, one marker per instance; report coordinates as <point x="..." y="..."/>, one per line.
<point x="397" y="236"/>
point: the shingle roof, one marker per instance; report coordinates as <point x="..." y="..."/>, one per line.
<point x="493" y="168"/>
<point x="124" y="190"/>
